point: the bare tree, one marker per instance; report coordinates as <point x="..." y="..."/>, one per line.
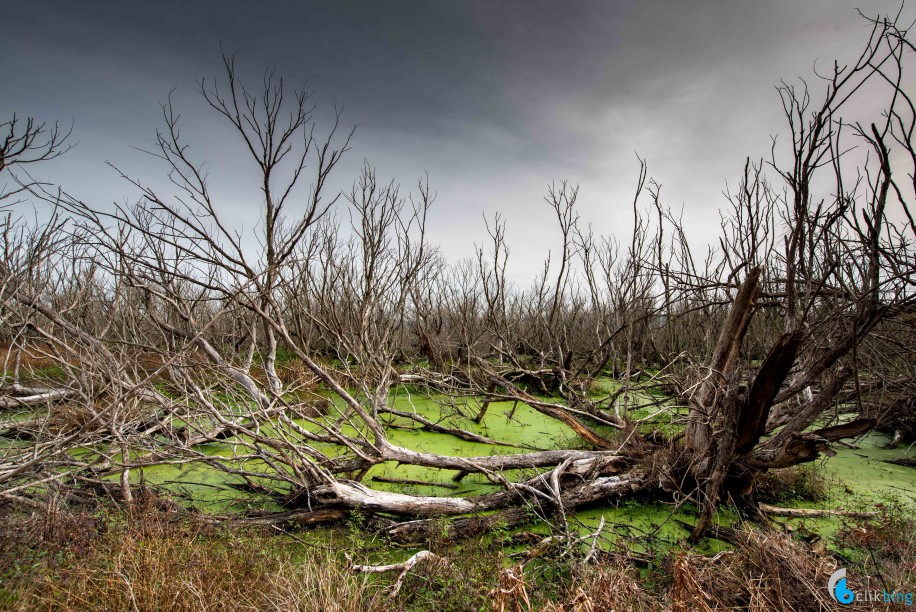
<point x="26" y="143"/>
<point x="838" y="272"/>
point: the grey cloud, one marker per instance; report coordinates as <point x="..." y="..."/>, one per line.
<point x="494" y="99"/>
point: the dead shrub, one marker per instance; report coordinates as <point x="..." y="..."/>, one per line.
<point x="294" y="373"/>
<point x="511" y="592"/>
<point x="884" y="546"/>
<point x="766" y="571"/>
<point x="805" y="482"/>
<point x="65" y="419"/>
<point x="608" y="586"/>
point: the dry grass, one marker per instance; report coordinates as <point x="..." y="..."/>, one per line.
<point x="766" y="571"/>
<point x="511" y="591"/>
<point x="153" y="562"/>
<point x="613" y="586"/>
<point x="158" y="560"/>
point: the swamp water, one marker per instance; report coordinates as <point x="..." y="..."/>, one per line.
<point x="858" y="476"/>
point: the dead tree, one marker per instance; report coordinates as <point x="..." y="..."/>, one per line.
<point x="842" y="267"/>
<point x="24" y="143"/>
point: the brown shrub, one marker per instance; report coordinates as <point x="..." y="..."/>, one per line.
<point x="884" y="546"/>
<point x="295" y="373"/>
<point x="805" y="482"/>
<point x="610" y="586"/>
<point x="766" y="571"/>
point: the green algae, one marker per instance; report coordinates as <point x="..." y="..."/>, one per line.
<point x="644" y="527"/>
<point x="519" y="425"/>
<point x="866" y="474"/>
<point x="860" y="477"/>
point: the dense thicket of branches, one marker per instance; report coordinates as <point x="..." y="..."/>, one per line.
<point x="165" y="327"/>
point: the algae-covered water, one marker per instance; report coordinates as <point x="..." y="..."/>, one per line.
<point x="858" y="477"/>
<point x="521" y="427"/>
<point x="863" y="474"/>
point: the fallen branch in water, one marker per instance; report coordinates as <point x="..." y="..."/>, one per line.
<point x="451" y="431"/>
<point x="410" y="481"/>
<point x="812" y="513"/>
<point x="34" y="397"/>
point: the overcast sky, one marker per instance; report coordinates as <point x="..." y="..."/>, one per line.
<point x="494" y="99"/>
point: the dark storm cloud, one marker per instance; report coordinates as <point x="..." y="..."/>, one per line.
<point x="494" y="99"/>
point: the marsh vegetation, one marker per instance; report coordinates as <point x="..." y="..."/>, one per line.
<point x="195" y="416"/>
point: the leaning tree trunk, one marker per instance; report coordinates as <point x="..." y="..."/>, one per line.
<point x="728" y="417"/>
<point x="712" y="431"/>
<point x="727" y="421"/>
